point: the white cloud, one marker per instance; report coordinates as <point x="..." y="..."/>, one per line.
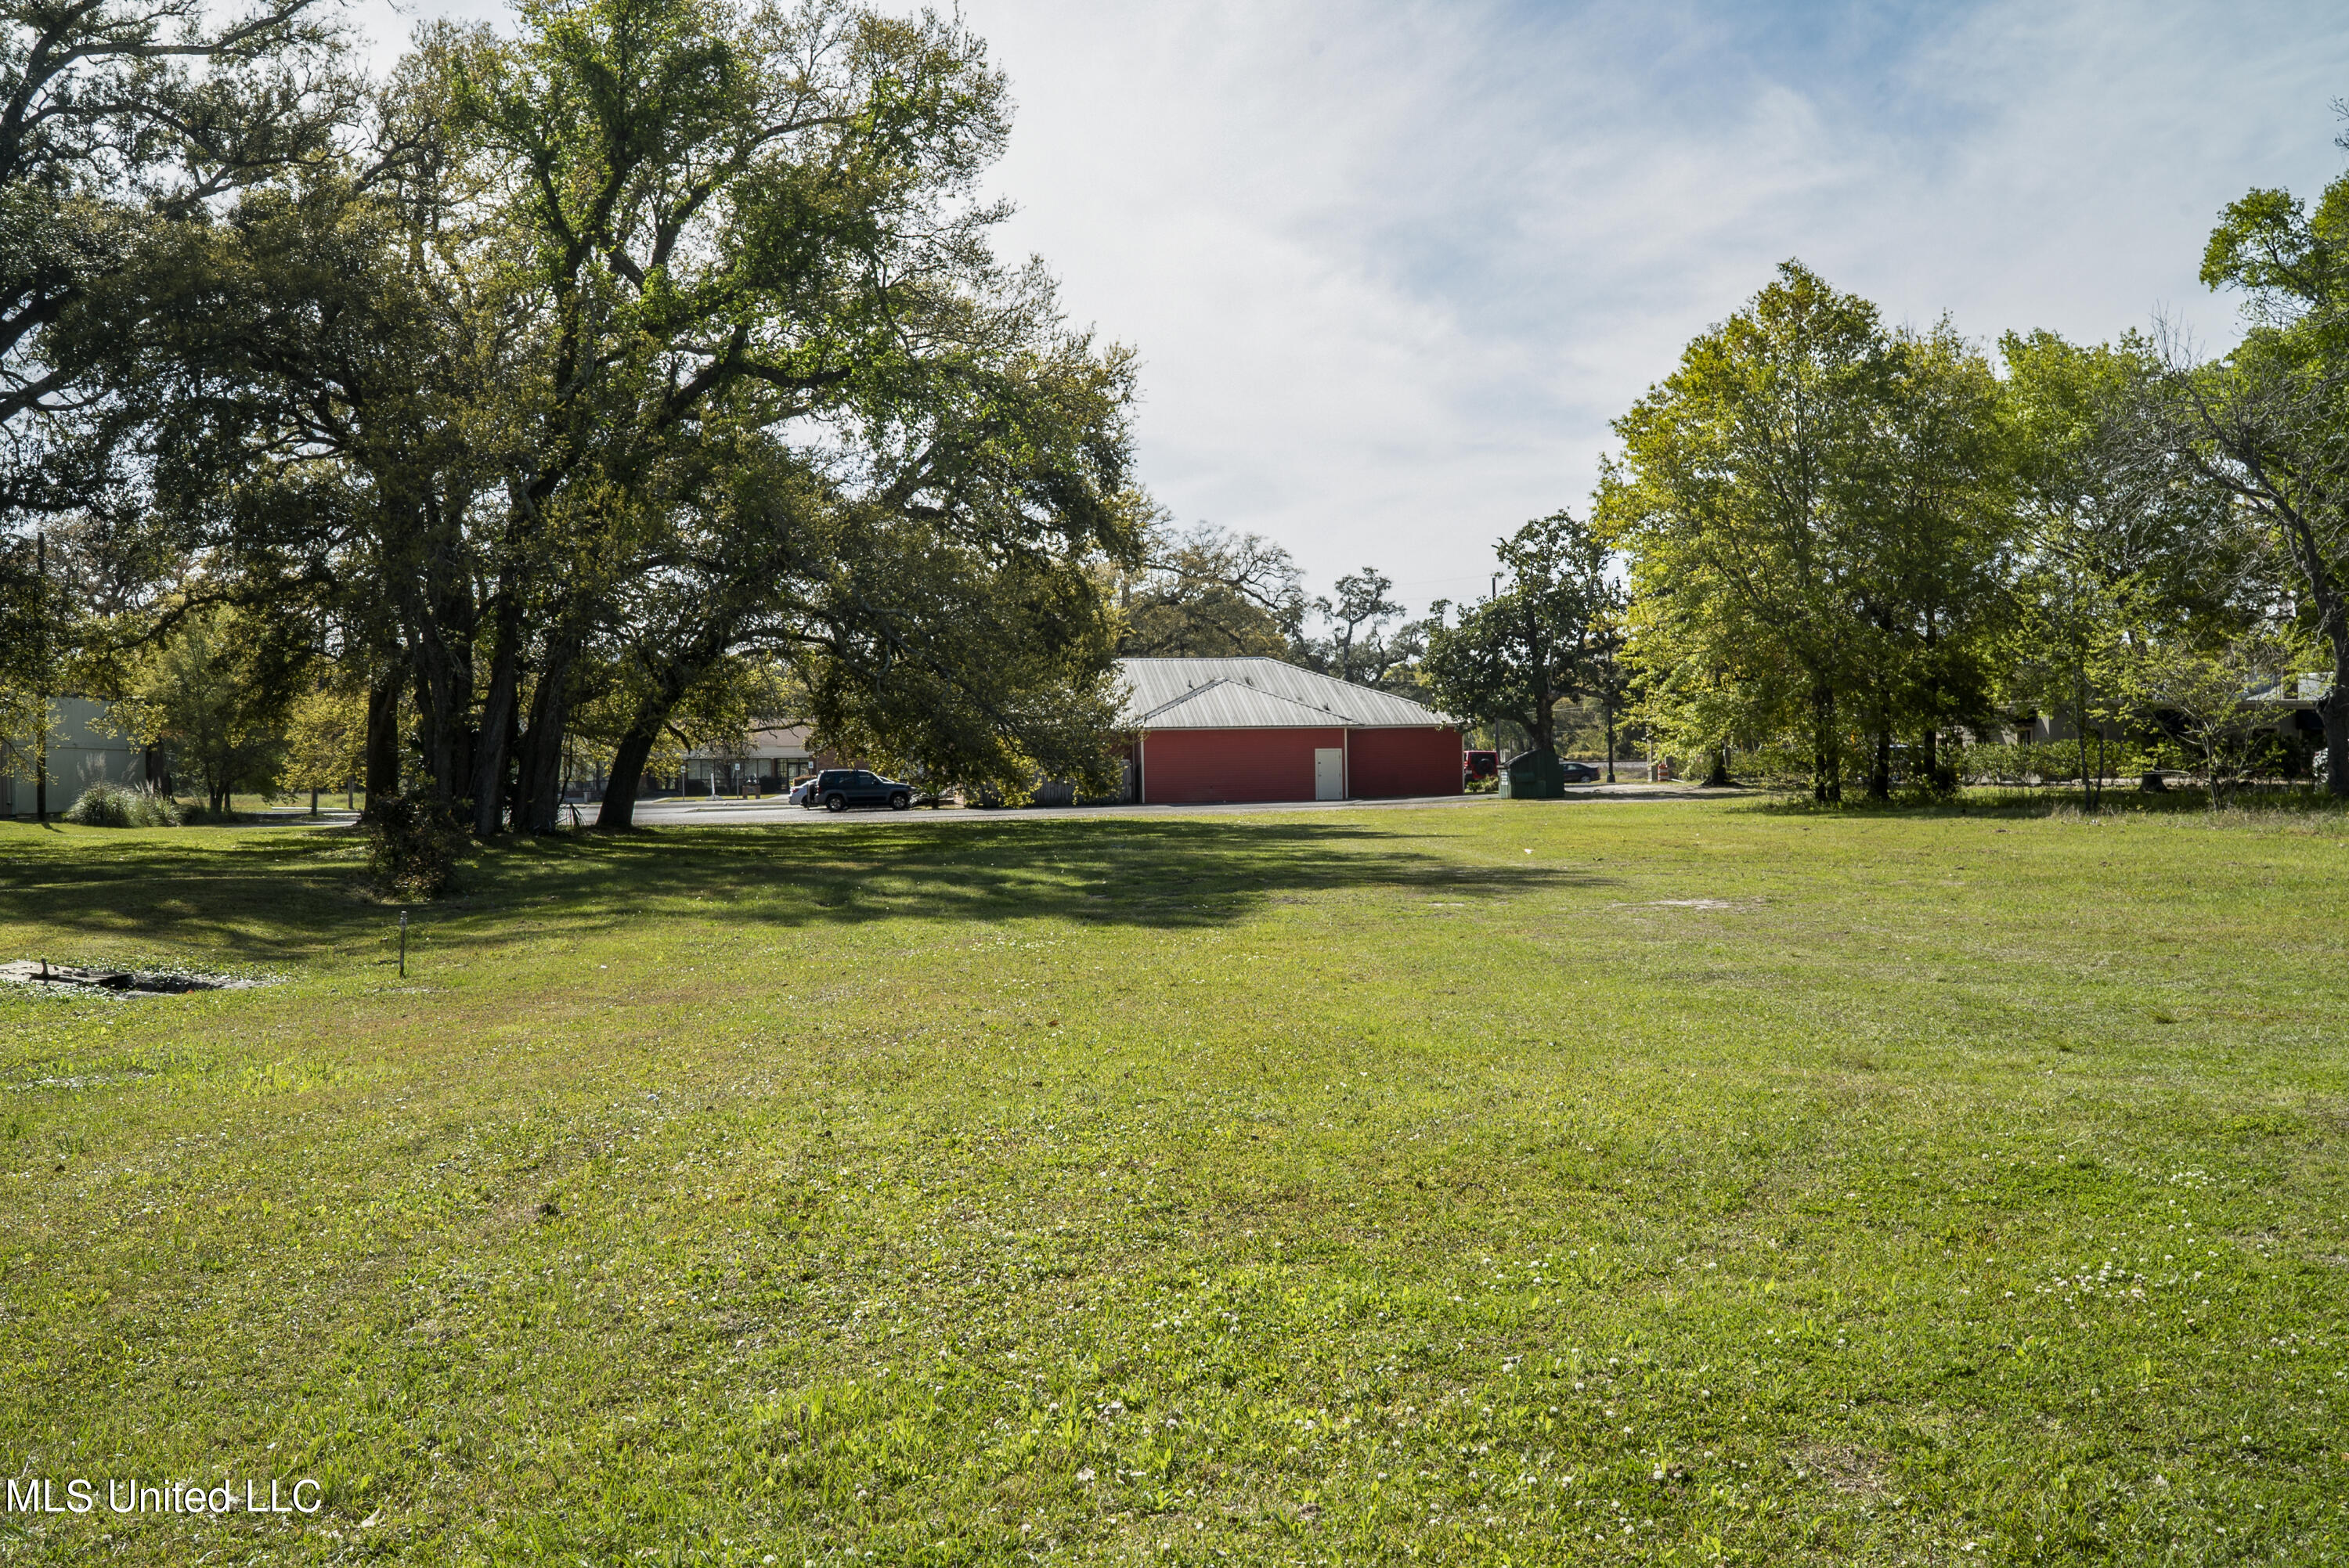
<point x="1392" y="269"/>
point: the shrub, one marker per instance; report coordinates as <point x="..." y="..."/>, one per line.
<point x="413" y="846"/>
<point x="2050" y="761"/>
<point x="107" y="805"/>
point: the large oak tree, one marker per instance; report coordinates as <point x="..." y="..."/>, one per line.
<point x="662" y="333"/>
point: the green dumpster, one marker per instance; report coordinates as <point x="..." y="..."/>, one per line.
<point x="1534" y="776"/>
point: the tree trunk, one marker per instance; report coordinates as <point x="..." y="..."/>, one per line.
<point x="2333" y="708"/>
<point x="435" y="594"/>
<point x="444" y="696"/>
<point x="382" y="752"/>
<point x="1880" y="776"/>
<point x="41" y="685"/>
<point x="540" y="788"/>
<point x="669" y="681"/>
<point x="619" y="809"/>
<point x="491" y="747"/>
<point x="1826" y="748"/>
<point x="2080" y="724"/>
<point x="1609" y="709"/>
<point x="1930" y="752"/>
<point x="513" y="762"/>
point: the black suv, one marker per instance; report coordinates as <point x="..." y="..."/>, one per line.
<point x="838" y="789"/>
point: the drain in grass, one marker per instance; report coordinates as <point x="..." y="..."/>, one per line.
<point x="129" y="982"/>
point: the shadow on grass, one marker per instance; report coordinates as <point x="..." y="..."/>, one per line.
<point x="2060" y="801"/>
<point x="278" y="893"/>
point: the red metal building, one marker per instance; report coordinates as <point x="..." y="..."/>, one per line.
<point x="1258" y="729"/>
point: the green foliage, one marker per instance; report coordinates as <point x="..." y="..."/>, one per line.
<point x="117" y="119"/>
<point x="666" y="341"/>
<point x="2211" y="699"/>
<point x="1209" y="593"/>
<point x="1743" y="498"/>
<point x="27" y="646"/>
<point x="2268" y="424"/>
<point x="326" y="737"/>
<point x="1935" y="595"/>
<point x="2086" y="549"/>
<point x="2123" y="554"/>
<point x="1863" y="538"/>
<point x="1544" y="640"/>
<point x="987" y="672"/>
<point x="2054" y="762"/>
<point x="106" y="804"/>
<point x="1812" y="508"/>
<point x="215" y="694"/>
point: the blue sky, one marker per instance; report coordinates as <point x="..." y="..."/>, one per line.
<point x="1392" y="268"/>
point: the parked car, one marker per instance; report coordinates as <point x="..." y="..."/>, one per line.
<point x="838" y="789"/>
<point x="1480" y="765"/>
<point x="1580" y="773"/>
<point x="800" y="792"/>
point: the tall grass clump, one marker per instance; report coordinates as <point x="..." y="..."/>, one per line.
<point x="109" y="805"/>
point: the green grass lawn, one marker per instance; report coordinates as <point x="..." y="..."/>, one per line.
<point x="1521" y="1184"/>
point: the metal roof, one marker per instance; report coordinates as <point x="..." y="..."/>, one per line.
<point x="765" y="741"/>
<point x="1259" y="692"/>
<point x="1229" y="705"/>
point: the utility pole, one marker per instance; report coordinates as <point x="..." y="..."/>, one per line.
<point x="1493" y="591"/>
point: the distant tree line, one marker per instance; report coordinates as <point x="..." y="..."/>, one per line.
<point x="1848" y="542"/>
<point x="1210" y="592"/>
<point x="1840" y="549"/>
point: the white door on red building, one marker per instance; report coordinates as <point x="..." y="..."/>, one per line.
<point x="1329" y="773"/>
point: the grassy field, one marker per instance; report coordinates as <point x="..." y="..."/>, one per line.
<point x="1521" y="1184"/>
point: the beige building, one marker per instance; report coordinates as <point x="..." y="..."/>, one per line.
<point x="84" y="748"/>
<point x="766" y="761"/>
